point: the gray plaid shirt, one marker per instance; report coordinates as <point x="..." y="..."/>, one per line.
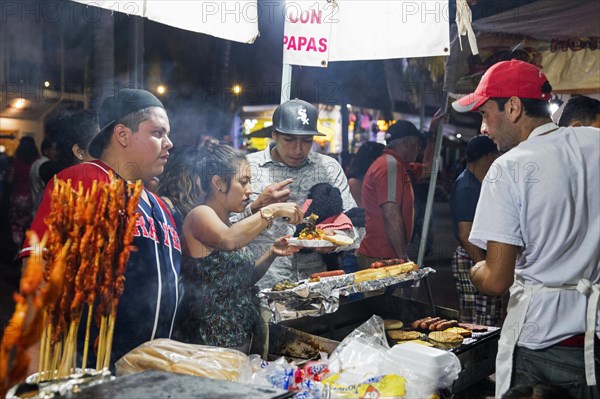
<point x="317" y="168"/>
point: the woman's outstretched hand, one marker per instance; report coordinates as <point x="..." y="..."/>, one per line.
<point x="281" y="247"/>
<point x="289" y="211"/>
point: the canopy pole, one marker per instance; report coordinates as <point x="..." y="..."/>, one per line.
<point x="286" y="83"/>
<point x="136" y="52"/>
<point x="430" y="196"/>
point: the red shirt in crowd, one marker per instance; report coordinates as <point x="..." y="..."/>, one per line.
<point x="387" y="180"/>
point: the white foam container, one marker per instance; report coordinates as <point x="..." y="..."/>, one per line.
<point x="433" y="366"/>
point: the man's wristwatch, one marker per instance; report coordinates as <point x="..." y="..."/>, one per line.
<point x="267" y="214"/>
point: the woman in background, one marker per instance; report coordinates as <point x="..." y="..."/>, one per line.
<point x="366" y="155"/>
<point x="71" y="131"/>
<point x="179" y="185"/>
<point x="218" y="269"/>
<point x="21" y="204"/>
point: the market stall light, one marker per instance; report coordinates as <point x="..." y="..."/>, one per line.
<point x="161" y="89"/>
<point x="382" y="125"/>
<point x="458" y="136"/>
<point x="237" y="89"/>
<point x="47" y="84"/>
<point x="555" y="104"/>
<point x="20" y="103"/>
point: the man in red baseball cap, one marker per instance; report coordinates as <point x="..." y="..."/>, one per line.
<point x="500" y="88"/>
<point x="539" y="220"/>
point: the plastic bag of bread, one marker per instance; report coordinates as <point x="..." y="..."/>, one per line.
<point x="178" y="357"/>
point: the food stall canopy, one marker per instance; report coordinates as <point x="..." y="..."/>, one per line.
<point x="317" y="32"/>
<point x="235" y="20"/>
<point x="562" y="38"/>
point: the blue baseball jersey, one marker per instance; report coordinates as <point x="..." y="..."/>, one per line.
<point x="149" y="303"/>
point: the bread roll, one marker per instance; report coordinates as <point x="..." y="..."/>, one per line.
<point x="395" y="270"/>
<point x="179" y="357"/>
<point x="338" y="239"/>
<point x="445" y="337"/>
<point x="392" y="324"/>
<point x="369" y="274"/>
<point x="404" y="335"/>
<point x="463" y="332"/>
<point x="416" y="341"/>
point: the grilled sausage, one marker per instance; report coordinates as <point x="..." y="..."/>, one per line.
<point x="473" y="327"/>
<point x="328" y="274"/>
<point x="425" y="325"/>
<point x="433" y="326"/>
<point x="417" y="323"/>
<point x="446" y="324"/>
<point x="376" y="265"/>
<point x="394" y="261"/>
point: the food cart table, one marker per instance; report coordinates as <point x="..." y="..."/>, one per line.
<point x="161" y="384"/>
<point x="305" y="337"/>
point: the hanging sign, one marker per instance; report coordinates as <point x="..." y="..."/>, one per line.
<point x="318" y="32"/>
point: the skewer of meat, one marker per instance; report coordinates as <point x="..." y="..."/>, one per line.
<point x="97" y="242"/>
<point x="20" y="334"/>
<point x="107" y="273"/>
<point x="127" y="227"/>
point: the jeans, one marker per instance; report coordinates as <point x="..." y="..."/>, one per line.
<point x="557" y="365"/>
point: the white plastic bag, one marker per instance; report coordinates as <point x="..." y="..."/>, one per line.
<point x="178" y="357"/>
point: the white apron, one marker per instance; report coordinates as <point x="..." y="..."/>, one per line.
<point x="520" y="298"/>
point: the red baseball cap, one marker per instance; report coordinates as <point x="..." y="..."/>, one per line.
<point x="504" y="80"/>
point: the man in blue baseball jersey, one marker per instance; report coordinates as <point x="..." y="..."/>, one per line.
<point x="134" y="144"/>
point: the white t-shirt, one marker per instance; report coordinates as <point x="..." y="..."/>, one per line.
<point x="543" y="196"/>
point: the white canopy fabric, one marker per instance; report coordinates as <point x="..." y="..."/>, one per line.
<point x="546" y="19"/>
<point x="561" y="37"/>
<point x="317" y="32"/>
<point x="235" y="20"/>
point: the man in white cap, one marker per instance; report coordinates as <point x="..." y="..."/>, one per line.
<point x="539" y="219"/>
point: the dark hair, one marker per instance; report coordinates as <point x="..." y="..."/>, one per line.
<point x="580" y="108"/>
<point x="533" y="108"/>
<point x="219" y="160"/>
<point x="537" y="391"/>
<point x="26" y="150"/>
<point x="365" y="156"/>
<point x="180" y="181"/>
<point x="478" y="147"/>
<point x="70" y="127"/>
<point x="132" y="121"/>
<point x="47" y="144"/>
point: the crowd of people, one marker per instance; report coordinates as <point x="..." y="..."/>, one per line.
<point x="218" y="227"/>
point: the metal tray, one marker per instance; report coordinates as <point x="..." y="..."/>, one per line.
<point x="161" y="384"/>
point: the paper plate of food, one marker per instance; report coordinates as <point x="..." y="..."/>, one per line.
<point x="313" y="237"/>
<point x="321" y="241"/>
<point x="297" y="242"/>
